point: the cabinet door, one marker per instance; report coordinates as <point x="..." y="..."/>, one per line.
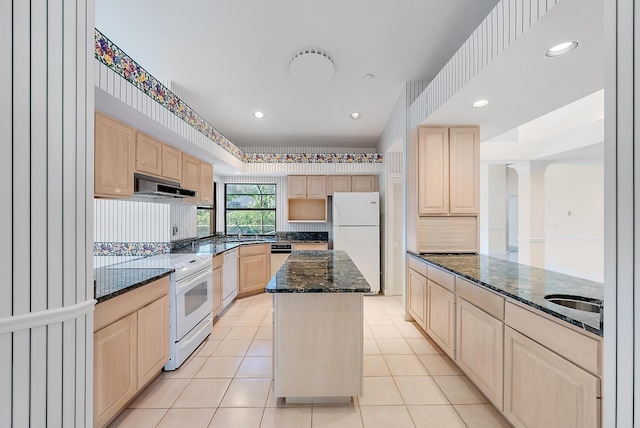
<point x="217" y="291"/>
<point x="206" y="183"/>
<point x="296" y="186"/>
<point x="191" y="175"/>
<point x="364" y="183"/>
<point x="479" y="349"/>
<point x="433" y="171"/>
<point x="148" y="155"/>
<point x="441" y="317"/>
<point x="417" y="294"/>
<point x="252" y="272"/>
<point x="115" y="354"/>
<point x="464" y="170"/>
<point x="543" y="390"/>
<point x="114" y="158"/>
<point x="153" y="339"/>
<point x="316" y="186"/>
<point x="171" y="163"/>
<point x="338" y="183"/>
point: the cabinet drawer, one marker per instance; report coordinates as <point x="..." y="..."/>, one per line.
<point x="439" y="276"/>
<point x="417" y="265"/>
<point x="483" y="299"/>
<point x="217" y="261"/>
<point x="575" y="347"/>
<point x="250" y="250"/>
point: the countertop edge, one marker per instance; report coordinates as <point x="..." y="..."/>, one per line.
<point x="133" y="286"/>
<point x="562" y="317"/>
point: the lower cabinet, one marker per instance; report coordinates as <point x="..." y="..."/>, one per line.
<point x="543" y="390"/>
<point x="479" y="349"/>
<point x="254" y="267"/>
<point x="130" y="347"/>
<point x="441" y="317"/>
<point x="217" y="284"/>
<point x="417" y="296"/>
<point x="115" y="368"/>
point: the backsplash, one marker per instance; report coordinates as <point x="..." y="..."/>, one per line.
<point x="183" y="219"/>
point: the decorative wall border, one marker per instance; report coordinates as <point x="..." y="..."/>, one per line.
<point x="114" y="58"/>
<point x="130" y="248"/>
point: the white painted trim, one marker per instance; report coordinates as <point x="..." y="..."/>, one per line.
<point x="575" y="237"/>
<point x="47" y="317"/>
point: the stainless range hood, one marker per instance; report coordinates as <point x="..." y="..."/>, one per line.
<point x="157" y="188"/>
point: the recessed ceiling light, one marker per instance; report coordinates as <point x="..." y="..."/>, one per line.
<point x="561" y="49"/>
<point x="368" y="76"/>
<point x="355" y="115"/>
<point x="480" y="103"/>
<point x="259" y="114"/>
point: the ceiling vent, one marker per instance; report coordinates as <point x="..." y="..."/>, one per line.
<point x="312" y="67"/>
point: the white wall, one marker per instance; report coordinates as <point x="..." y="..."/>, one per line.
<point x="46" y="130"/>
<point x="493" y="209"/>
<point x="574" y="217"/>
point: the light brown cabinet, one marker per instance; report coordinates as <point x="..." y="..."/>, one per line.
<point x="153" y="339"/>
<point x="441" y="317"/>
<point x="543" y="390"/>
<point x="448" y="171"/>
<point x="206" y="183"/>
<point x="191" y="175"/>
<point x="217" y="283"/>
<point x="316" y="186"/>
<point x="131" y="345"/>
<point x="417" y="296"/>
<point x="254" y="268"/>
<point x="296" y="186"/>
<point x="338" y="183"/>
<point x="114" y="158"/>
<point x="148" y="155"/>
<point x="364" y="183"/>
<point x="307" y="198"/>
<point x="171" y="163"/>
<point x="307" y="186"/>
<point x="115" y="368"/>
<point x="479" y="349"/>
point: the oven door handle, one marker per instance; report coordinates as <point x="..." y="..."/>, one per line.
<point x="188" y="281"/>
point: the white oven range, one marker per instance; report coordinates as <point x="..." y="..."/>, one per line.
<point x="190" y="301"/>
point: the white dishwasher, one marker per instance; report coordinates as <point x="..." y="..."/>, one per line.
<point x="229" y="277"/>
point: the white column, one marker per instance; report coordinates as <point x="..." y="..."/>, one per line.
<point x="531" y="224"/>
<point x="493" y="209"/>
<point x="46" y="130"/>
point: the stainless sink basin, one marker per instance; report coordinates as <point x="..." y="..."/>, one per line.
<point x="580" y="303"/>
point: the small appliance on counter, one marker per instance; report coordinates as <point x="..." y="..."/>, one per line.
<point x="356" y="230"/>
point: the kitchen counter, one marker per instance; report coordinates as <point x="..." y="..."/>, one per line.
<point x="110" y="282"/>
<point x="318" y="271"/>
<point x="525" y="284"/>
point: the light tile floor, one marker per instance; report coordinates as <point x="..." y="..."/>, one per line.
<point x="408" y="381"/>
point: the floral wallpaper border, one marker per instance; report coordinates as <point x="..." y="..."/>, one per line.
<point x="130" y="248"/>
<point x="117" y="60"/>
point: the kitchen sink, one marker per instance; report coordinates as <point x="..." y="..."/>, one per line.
<point x="580" y="303"/>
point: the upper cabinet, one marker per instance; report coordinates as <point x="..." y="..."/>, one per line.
<point x="114" y="158"/>
<point x="338" y="183"/>
<point x="158" y="159"/>
<point x="191" y="175"/>
<point x="448" y="171"/>
<point x="206" y="183"/>
<point x="364" y="183"/>
<point x="307" y="186"/>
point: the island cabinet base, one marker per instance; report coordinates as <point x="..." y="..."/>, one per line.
<point x="318" y="346"/>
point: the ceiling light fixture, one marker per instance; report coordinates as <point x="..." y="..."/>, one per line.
<point x="561" y="49"/>
<point x="355" y="115"/>
<point x="480" y="103"/>
<point x="312" y="67"/>
<point x="259" y="114"/>
<point x="368" y="76"/>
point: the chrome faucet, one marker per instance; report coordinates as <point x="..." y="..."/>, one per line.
<point x="239" y="234"/>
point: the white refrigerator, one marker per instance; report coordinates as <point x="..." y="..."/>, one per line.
<point x="356" y="230"/>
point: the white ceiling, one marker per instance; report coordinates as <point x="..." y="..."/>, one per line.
<point x="228" y="59"/>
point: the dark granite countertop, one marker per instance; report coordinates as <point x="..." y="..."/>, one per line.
<point x="218" y="247"/>
<point x="525" y="284"/>
<point x="325" y="271"/>
<point x="110" y="282"/>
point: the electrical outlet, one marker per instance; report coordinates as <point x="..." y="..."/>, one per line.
<point x="174" y="230"/>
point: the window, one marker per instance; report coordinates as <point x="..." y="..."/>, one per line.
<point x="206" y="218"/>
<point x="250" y="209"/>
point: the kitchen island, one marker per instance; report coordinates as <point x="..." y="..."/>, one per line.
<point x="318" y="327"/>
